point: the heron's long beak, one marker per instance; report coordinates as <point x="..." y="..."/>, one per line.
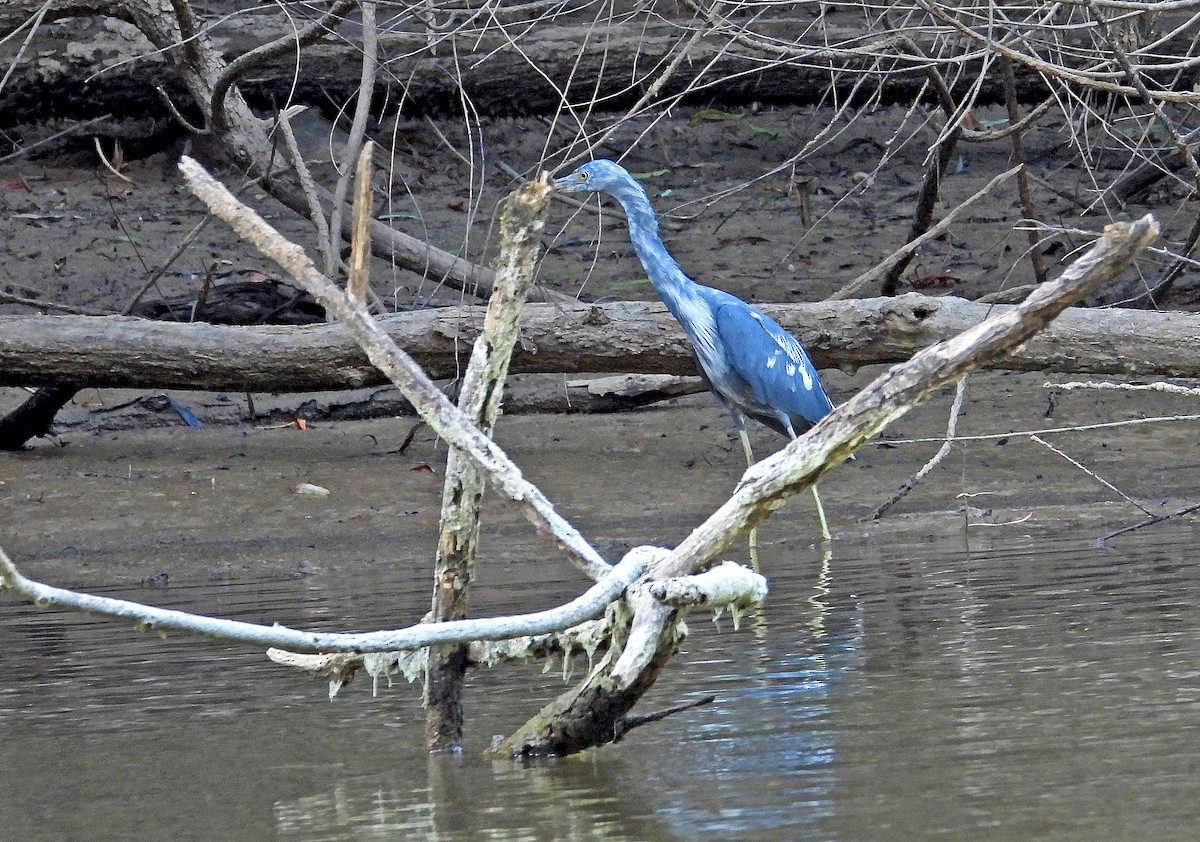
<point x="569" y="183"/>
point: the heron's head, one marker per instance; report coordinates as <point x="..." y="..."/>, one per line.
<point x="595" y="177"/>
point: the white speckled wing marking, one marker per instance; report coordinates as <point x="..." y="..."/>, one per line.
<point x="790" y="347"/>
<point x="780" y="382"/>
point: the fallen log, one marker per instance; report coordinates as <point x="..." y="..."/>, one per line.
<point x="111" y="351"/>
<point x="80" y="68"/>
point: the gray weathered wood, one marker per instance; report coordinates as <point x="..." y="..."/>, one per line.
<point x="112" y="351"/>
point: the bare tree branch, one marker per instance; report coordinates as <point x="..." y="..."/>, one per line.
<point x="442" y="416"/>
<point x="589" y="605"/>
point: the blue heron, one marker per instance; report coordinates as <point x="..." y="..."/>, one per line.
<point x="753" y="366"/>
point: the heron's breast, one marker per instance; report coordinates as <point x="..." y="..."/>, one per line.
<point x="701" y="327"/>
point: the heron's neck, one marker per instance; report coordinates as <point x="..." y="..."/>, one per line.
<point x="664" y="273"/>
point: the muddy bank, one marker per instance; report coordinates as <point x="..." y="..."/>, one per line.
<point x="108" y="507"/>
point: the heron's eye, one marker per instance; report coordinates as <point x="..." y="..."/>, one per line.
<point x="583" y="176"/>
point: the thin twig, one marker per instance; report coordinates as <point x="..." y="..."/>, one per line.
<point x="628" y="723"/>
<point x="1150" y="521"/>
<point x="78" y="127"/>
<point x="107" y="164"/>
<point x="1018" y="158"/>
<point x="960" y="393"/>
<point x="1103" y="425"/>
<point x="1091" y="474"/>
<point x="44" y="304"/>
<point x="358" y="280"/>
<point x="34" y="24"/>
<point x="927" y="199"/>
<point x="908" y="248"/>
<point x="315" y="212"/>
<point x="186" y="242"/>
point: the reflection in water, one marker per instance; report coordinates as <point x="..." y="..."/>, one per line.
<point x="1039" y="688"/>
<point x="768" y="747"/>
<point x="762" y="762"/>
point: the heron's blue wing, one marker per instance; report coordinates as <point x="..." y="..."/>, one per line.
<point x="774" y="365"/>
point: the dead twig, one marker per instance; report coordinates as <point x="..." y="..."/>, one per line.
<point x="1028" y="208"/>
<point x="315" y="212"/>
<point x="358" y="279"/>
<point x="960" y="393"/>
<point x="1091" y="474"/>
<point x="906" y="251"/>
<point x="628" y="723"/>
<point x="78" y="127"/>
<point x="109" y="165"/>
<point x="1149" y="521"/>
<point x="46" y="304"/>
<point x="358" y="130"/>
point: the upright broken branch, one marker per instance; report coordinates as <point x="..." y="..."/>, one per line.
<point x="521" y="224"/>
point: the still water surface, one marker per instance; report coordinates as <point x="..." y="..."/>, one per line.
<point x="1023" y="685"/>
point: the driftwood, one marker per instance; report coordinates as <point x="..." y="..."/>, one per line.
<point x="112" y="351"/>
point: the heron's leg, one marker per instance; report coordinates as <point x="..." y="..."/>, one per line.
<point x="745" y="437"/>
<point x="821" y="514"/>
<point x="746" y="445"/>
<point x="825" y="536"/>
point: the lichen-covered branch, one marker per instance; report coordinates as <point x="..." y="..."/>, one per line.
<point x="521" y="222"/>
